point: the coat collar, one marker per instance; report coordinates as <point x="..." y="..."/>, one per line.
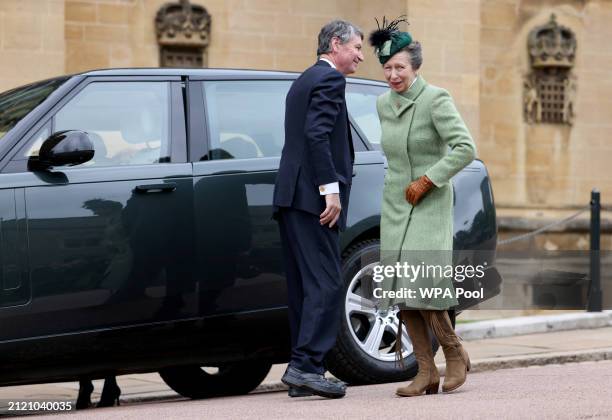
<point x="416" y="89"/>
<point x="402" y="101"/>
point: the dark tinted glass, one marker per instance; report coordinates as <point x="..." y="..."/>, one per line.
<point x="17" y="103"/>
<point x="246" y="118"/>
<point x="361" y="104"/>
<point x="128" y="122"/>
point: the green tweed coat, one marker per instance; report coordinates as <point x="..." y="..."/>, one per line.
<point x="422" y="134"/>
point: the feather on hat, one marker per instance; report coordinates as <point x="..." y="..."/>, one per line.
<point x="388" y="39"/>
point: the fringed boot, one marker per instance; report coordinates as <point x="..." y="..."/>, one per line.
<point x="427" y="379"/>
<point x="457" y="359"/>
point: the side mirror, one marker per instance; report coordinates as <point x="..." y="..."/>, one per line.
<point x="64" y="148"/>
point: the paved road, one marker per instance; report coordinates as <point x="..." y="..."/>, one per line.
<point x="491" y="350"/>
<point x="570" y="391"/>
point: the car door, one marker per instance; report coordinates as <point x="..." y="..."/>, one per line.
<point x="16" y="107"/>
<point x="236" y="154"/>
<point x="14" y="282"/>
<point x="111" y="240"/>
<point x="236" y="158"/>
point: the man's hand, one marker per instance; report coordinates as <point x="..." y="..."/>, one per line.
<point x="332" y="210"/>
<point x="417" y="190"/>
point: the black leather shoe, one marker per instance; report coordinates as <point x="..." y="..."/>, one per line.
<point x="338" y="381"/>
<point x="313" y="382"/>
<point x="297" y="392"/>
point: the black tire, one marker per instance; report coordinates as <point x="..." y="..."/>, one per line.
<point x="347" y="360"/>
<point x="232" y="379"/>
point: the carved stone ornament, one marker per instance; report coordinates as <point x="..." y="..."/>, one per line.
<point x="183" y="33"/>
<point x="183" y="24"/>
<point x="549" y="89"/>
<point x="532" y="106"/>
<point x="552" y="45"/>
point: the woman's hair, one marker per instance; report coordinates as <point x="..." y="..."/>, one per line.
<point x="415" y="52"/>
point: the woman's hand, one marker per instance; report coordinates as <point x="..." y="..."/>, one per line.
<point x="417" y="190"/>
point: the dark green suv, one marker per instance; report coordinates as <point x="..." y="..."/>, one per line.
<point x="136" y="231"/>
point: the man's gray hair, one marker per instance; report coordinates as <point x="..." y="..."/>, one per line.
<point x="341" y="29"/>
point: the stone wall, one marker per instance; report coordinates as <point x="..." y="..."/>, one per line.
<point x="449" y="31"/>
<point x="110" y="33"/>
<point x="31" y="41"/>
<point x="257" y="34"/>
<point x="282" y="34"/>
<point x="545" y="165"/>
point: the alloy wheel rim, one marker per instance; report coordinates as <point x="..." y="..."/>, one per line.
<point x="374" y="330"/>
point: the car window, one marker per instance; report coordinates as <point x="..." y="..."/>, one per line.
<point x="358" y="145"/>
<point x="246" y="118"/>
<point x="128" y="122"/>
<point x="361" y="104"/>
<point x="17" y="103"/>
<point x="36" y="141"/>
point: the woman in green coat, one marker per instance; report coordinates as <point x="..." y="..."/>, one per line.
<point x="426" y="143"/>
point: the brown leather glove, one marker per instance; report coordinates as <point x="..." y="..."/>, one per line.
<point x="417" y="190"/>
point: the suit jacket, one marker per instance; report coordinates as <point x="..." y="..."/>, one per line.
<point x="318" y="146"/>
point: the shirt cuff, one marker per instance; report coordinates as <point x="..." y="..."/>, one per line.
<point x="332" y="188"/>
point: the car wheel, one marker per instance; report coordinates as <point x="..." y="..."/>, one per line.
<point x="231" y="379"/>
<point x="365" y="348"/>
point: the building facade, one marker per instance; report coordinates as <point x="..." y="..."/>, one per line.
<point x="544" y="153"/>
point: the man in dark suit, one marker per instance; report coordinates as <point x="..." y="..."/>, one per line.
<point x="311" y="201"/>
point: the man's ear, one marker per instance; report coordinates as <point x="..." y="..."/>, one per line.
<point x="335" y="43"/>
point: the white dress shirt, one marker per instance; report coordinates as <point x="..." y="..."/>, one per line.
<point x="415" y="79"/>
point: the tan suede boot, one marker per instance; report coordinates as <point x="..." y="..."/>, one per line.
<point x="427" y="379"/>
<point x="457" y="359"/>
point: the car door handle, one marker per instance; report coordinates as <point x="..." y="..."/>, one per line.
<point x="155" y="188"/>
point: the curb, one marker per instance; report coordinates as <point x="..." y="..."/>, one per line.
<point x="524" y="325"/>
<point x="497" y="363"/>
<point x="483" y="365"/>
<point x="153" y="397"/>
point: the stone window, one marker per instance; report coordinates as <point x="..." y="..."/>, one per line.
<point x="552" y="95"/>
<point x="181" y="57"/>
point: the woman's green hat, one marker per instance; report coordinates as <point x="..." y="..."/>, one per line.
<point x="388" y="39"/>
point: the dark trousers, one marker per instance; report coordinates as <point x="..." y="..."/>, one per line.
<point x="311" y="255"/>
